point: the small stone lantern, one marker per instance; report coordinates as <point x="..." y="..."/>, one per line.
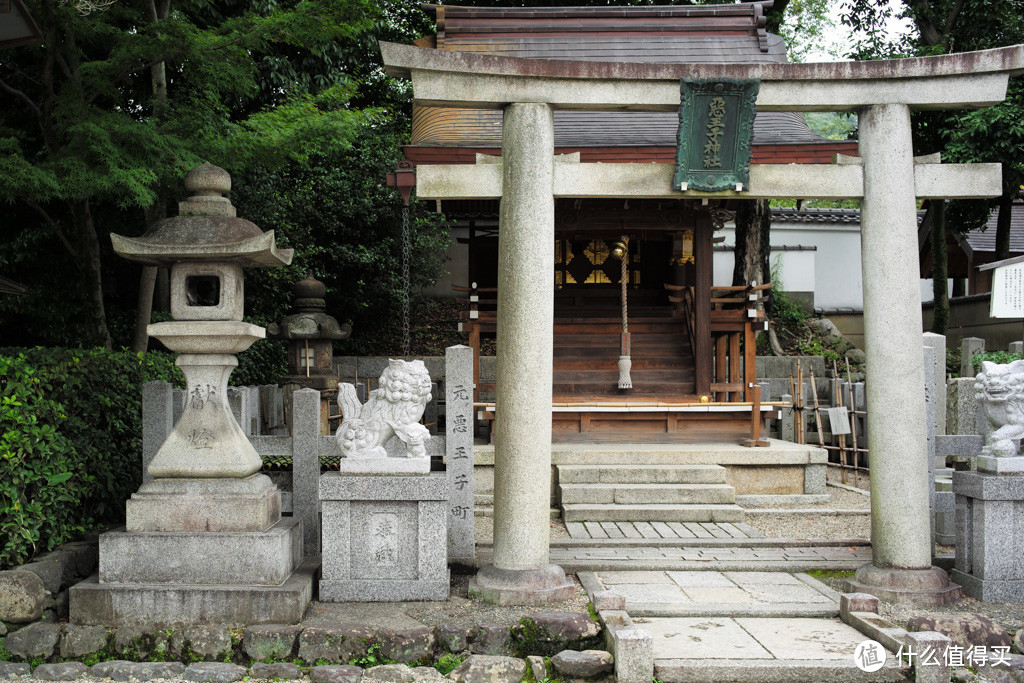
<point x="311" y="334"/>
<point x="204" y="541"/>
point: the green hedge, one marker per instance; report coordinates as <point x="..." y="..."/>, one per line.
<point x="70" y="441"/>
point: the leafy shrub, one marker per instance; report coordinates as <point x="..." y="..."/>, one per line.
<point x="70" y="442"/>
<point x="993" y="357"/>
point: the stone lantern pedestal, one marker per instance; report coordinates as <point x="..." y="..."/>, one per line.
<point x="204" y="541"/>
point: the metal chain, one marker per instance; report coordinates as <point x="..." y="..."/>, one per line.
<point x="405" y="281"/>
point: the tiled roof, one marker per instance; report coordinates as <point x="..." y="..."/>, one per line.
<point x="692" y="34"/>
<point x="815" y="216"/>
<point x="985" y="240"/>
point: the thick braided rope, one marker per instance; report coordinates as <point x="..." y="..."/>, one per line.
<point x="625" y="363"/>
<point x="624" y="279"/>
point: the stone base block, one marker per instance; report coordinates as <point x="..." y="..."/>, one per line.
<point x="262" y="558"/>
<point x="916" y="587"/>
<point x="1001" y="465"/>
<point x="118" y="604"/>
<point x="376" y="466"/>
<point x="383" y="591"/>
<point x="249" y="504"/>
<point x="522" y="586"/>
<point x="990" y="590"/>
<point x="384" y="538"/>
<point x="989" y="536"/>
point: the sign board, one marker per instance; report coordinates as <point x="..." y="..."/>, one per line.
<point x="1007" y="291"/>
<point x="716" y="125"/>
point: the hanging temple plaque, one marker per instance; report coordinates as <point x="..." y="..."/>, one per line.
<point x="716" y="126"/>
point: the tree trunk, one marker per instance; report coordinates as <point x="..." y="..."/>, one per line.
<point x="144" y="309"/>
<point x="960" y="287"/>
<point x="940" y="267"/>
<point x="753" y="253"/>
<point x="147" y="280"/>
<point x="753" y="243"/>
<point x="89" y="244"/>
<point x="1003" y="226"/>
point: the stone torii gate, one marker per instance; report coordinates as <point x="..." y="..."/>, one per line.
<point x="886" y="177"/>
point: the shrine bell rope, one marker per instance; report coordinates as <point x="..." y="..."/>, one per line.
<point x="624" y="360"/>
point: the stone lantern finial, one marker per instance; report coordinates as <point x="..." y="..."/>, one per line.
<point x="207" y="184"/>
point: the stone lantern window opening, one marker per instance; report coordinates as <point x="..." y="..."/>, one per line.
<point x="202" y="290"/>
<point x="206" y="290"/>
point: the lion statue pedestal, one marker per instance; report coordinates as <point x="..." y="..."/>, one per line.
<point x="384" y="528"/>
<point x="990" y="502"/>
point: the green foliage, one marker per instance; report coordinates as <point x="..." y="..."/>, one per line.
<point x="5" y="655"/>
<point x="371" y="658"/>
<point x="447" y="663"/>
<point x="69" y="442"/>
<point x="345" y="225"/>
<point x="1001" y="357"/>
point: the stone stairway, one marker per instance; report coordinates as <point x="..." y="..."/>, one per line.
<point x="646" y="493"/>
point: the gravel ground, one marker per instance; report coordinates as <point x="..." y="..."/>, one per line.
<point x="816" y="525"/>
<point x="484" y="529"/>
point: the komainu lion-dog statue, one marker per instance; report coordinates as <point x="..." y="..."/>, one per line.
<point x="999" y="389"/>
<point x="393" y="409"/>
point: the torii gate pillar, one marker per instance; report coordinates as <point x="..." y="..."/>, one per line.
<point x="521" y="573"/>
<point x="901" y="569"/>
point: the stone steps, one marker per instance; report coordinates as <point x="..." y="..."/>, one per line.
<point x="641" y="474"/>
<point x="659" y="512"/>
<point x="646" y="493"/>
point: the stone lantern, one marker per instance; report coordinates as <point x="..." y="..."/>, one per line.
<point x="311" y="334"/>
<point x="204" y="541"/>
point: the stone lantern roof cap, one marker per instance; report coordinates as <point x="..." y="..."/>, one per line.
<point x="206" y="229"/>
<point x="310" y="321"/>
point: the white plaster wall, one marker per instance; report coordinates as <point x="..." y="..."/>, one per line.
<point x="836" y="270"/>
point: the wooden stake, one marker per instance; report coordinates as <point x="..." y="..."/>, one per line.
<point x="853" y="428"/>
<point x="838" y="394"/>
<point x="817" y="411"/>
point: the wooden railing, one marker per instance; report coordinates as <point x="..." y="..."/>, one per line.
<point x="735" y="318"/>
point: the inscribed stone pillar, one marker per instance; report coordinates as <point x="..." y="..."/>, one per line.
<point x="938" y="368"/>
<point x="521" y="573"/>
<point x="969" y="346"/>
<point x="900" y="520"/>
<point x="157" y="421"/>
<point x="458" y="444"/>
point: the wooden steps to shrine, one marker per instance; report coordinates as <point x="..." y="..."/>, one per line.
<point x="586" y="358"/>
<point x="646" y="493"/>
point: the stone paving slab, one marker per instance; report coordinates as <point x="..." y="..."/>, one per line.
<point x="761" y="649"/>
<point x="653" y="558"/>
<point x="716" y="594"/>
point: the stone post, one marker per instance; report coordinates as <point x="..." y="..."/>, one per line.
<point x="968" y="347"/>
<point x="157" y="422"/>
<point x="458" y="443"/>
<point x="306" y="467"/>
<point x="938" y="368"/>
<point x="521" y="573"/>
<point x="931" y="420"/>
<point x="900" y="521"/>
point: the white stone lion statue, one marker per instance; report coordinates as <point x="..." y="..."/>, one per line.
<point x="999" y="389"/>
<point x="393" y="409"/>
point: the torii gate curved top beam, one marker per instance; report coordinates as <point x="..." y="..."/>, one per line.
<point x="443" y="78"/>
